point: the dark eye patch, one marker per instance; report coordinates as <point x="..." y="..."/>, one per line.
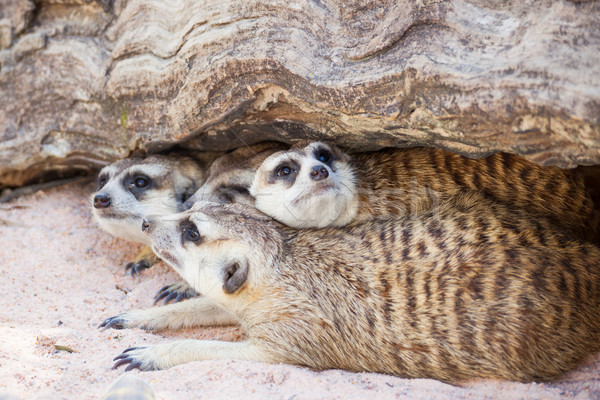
<point x="189" y="232"/>
<point x="324" y="155"/>
<point x="228" y="194"/>
<point x="101" y="181"/>
<point x="137" y="184"/>
<point x="285" y="171"/>
<point x="225" y="196"/>
<point x="243" y="190"/>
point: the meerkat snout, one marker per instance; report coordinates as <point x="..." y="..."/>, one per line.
<point x="319" y="173"/>
<point x="102" y="201"/>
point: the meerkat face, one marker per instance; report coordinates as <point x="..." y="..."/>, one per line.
<point x="219" y="249"/>
<point x="309" y="187"/>
<point x="230" y="186"/>
<point x="230" y="176"/>
<point x="129" y="190"/>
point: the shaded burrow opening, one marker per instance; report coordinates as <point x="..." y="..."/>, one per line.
<point x="79" y="167"/>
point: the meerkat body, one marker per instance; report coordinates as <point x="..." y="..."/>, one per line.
<point x="461" y="291"/>
<point x="131" y="189"/>
<point x="317" y="185"/>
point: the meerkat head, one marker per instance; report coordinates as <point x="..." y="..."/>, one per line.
<point x="310" y="186"/>
<point x="219" y="249"/>
<point x="129" y="190"/>
<point x="230" y="176"/>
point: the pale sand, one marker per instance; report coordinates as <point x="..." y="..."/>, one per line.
<point x="62" y="276"/>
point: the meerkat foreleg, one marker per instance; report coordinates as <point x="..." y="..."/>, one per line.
<point x="188" y="314"/>
<point x="145" y="259"/>
<point x="166" y="355"/>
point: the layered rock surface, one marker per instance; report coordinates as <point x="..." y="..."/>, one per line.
<point x="83" y="83"/>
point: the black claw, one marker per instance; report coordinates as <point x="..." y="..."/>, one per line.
<point x="121" y="362"/>
<point x="162" y="289"/>
<point x="180" y="296"/>
<point x="170" y="297"/>
<point x="125" y="358"/>
<point x="162" y="293"/>
<point x="168" y="293"/>
<point x="137" y="267"/>
<point x="112" y="322"/>
<point x="121" y="356"/>
<point x="133" y="366"/>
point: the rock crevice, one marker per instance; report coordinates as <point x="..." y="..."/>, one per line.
<point x="84" y="83"/>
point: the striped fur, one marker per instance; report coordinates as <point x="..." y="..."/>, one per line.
<point x="398" y="182"/>
<point x="466" y="289"/>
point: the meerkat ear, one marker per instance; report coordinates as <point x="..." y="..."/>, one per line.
<point x="234" y="276"/>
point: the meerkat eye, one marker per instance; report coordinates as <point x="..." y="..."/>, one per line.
<point x="141" y="181"/>
<point x="189" y="232"/>
<point x="284" y="170"/>
<point x="323" y="156"/>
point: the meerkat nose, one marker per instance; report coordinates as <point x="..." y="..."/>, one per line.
<point x="146" y="225"/>
<point x="319" y="173"/>
<point x="101" y="201"/>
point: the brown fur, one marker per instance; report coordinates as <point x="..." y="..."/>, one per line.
<point x="468" y="289"/>
<point x="397" y="182"/>
<point x="557" y="194"/>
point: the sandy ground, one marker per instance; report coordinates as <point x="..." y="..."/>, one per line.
<point x="62" y="276"/>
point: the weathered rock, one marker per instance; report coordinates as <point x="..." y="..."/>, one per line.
<point x="83" y="83"/>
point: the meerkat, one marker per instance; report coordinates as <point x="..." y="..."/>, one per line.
<point x="317" y="185"/>
<point x="120" y="202"/>
<point x="131" y="189"/>
<point x="464" y="290"/>
<point x="228" y="181"/>
<point x="230" y="176"/>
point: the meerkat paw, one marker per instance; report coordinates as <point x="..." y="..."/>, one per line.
<point x="175" y="292"/>
<point x="148" y="319"/>
<point x="116" y="322"/>
<point x="135" y="267"/>
<point x="144" y="260"/>
<point x="141" y="358"/>
<point x="166" y="355"/>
